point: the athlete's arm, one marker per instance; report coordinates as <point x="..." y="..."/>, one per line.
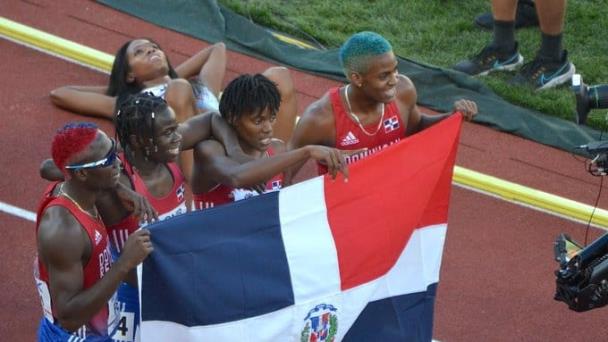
<point x="315" y="127"/>
<point x="64" y="248"/>
<point x="216" y="166"/>
<point x="417" y="121"/>
<point x="209" y="65"/>
<point x="85" y="100"/>
<point x="204" y="126"/>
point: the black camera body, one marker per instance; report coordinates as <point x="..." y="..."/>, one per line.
<point x="588" y="98"/>
<point x="582" y="277"/>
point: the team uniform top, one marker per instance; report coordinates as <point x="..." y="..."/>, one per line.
<point x="222" y="194"/>
<point x="104" y="322"/>
<point x="172" y="204"/>
<point x="349" y="136"/>
<point x="205" y="99"/>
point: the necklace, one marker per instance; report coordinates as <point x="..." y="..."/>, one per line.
<point x="350" y="112"/>
<point x="65" y="194"/>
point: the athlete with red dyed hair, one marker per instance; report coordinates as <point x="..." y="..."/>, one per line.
<point x="75" y="274"/>
<point x="152" y="139"/>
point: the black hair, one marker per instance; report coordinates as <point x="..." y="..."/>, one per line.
<point x="135" y="115"/>
<point x="119" y="86"/>
<point x="249" y="94"/>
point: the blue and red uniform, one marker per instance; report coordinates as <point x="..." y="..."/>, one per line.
<point x="349" y="136"/>
<point x="222" y="194"/>
<point x="103" y="324"/>
<point x="172" y="204"/>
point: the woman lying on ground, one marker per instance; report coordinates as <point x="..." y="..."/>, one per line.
<point x="140" y="65"/>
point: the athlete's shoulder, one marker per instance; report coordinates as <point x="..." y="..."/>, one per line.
<point x="406" y="91"/>
<point x="58" y="228"/>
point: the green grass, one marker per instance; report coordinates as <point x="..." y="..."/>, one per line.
<point x="442" y="32"/>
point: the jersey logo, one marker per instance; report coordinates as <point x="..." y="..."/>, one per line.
<point x="180" y="193"/>
<point x="391" y="124"/>
<point x="349" y="139"/>
<point x="98" y="238"/>
<point x="276" y="185"/>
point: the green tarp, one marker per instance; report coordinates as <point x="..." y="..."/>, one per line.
<point x="437" y="88"/>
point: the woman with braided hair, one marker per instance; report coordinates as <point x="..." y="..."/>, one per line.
<point x="151" y="138"/>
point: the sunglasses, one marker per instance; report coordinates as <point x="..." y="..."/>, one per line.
<point x="108" y="160"/>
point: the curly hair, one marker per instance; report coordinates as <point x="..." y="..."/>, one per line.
<point x="356" y="51"/>
<point x="248" y="94"/>
<point x="70" y="140"/>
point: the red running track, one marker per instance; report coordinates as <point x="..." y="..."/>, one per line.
<point x="497" y="273"/>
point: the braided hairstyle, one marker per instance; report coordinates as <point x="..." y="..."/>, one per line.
<point x="70" y="140"/>
<point x="249" y="94"/>
<point x="136" y="115"/>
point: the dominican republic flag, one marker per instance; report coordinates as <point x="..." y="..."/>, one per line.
<point x="391" y="124"/>
<point x="323" y="260"/>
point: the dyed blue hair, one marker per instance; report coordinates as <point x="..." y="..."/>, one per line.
<point x="356" y="51"/>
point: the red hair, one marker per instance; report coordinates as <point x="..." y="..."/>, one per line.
<point x="70" y="140"/>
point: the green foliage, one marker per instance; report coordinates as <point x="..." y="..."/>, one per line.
<point x="442" y="32"/>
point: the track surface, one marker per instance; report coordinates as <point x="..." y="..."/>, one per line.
<point x="497" y="274"/>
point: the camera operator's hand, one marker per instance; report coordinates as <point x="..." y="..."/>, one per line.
<point x="136" y="249"/>
<point x="467" y="108"/>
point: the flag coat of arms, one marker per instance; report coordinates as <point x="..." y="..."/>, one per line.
<point x="323" y="260"/>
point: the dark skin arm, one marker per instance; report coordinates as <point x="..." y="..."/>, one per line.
<point x="203" y="126"/>
<point x="417" y="121"/>
<point x="114" y="204"/>
<point x="85" y="100"/>
<point x="64" y="248"/>
<point x="209" y="65"/>
<point x="216" y="167"/>
<point x="315" y="127"/>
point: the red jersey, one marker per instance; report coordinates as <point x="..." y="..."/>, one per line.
<point x="172" y="204"/>
<point x="104" y="322"/>
<point x="222" y="194"/>
<point x="349" y="136"/>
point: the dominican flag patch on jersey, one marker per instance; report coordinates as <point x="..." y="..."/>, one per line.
<point x="391" y="124"/>
<point x="321" y="260"/>
<point x="276" y="185"/>
<point x="180" y="192"/>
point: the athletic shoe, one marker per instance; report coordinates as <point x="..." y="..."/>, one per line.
<point x="525" y="16"/>
<point x="542" y="73"/>
<point x="489" y="59"/>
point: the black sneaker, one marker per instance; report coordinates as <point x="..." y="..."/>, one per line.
<point x="543" y="74"/>
<point x="489" y="60"/>
<point x="525" y="16"/>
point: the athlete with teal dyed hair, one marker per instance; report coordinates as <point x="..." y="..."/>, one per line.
<point x="374" y="110"/>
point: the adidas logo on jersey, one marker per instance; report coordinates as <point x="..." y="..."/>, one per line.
<point x="349" y="139"/>
<point x="98" y="238"/>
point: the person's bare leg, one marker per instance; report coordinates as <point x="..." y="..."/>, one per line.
<point x="180" y="98"/>
<point x="504" y="10"/>
<point x="286" y="117"/>
<point x="551" y="18"/>
<point x="551" y="15"/>
<point x="213" y="71"/>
